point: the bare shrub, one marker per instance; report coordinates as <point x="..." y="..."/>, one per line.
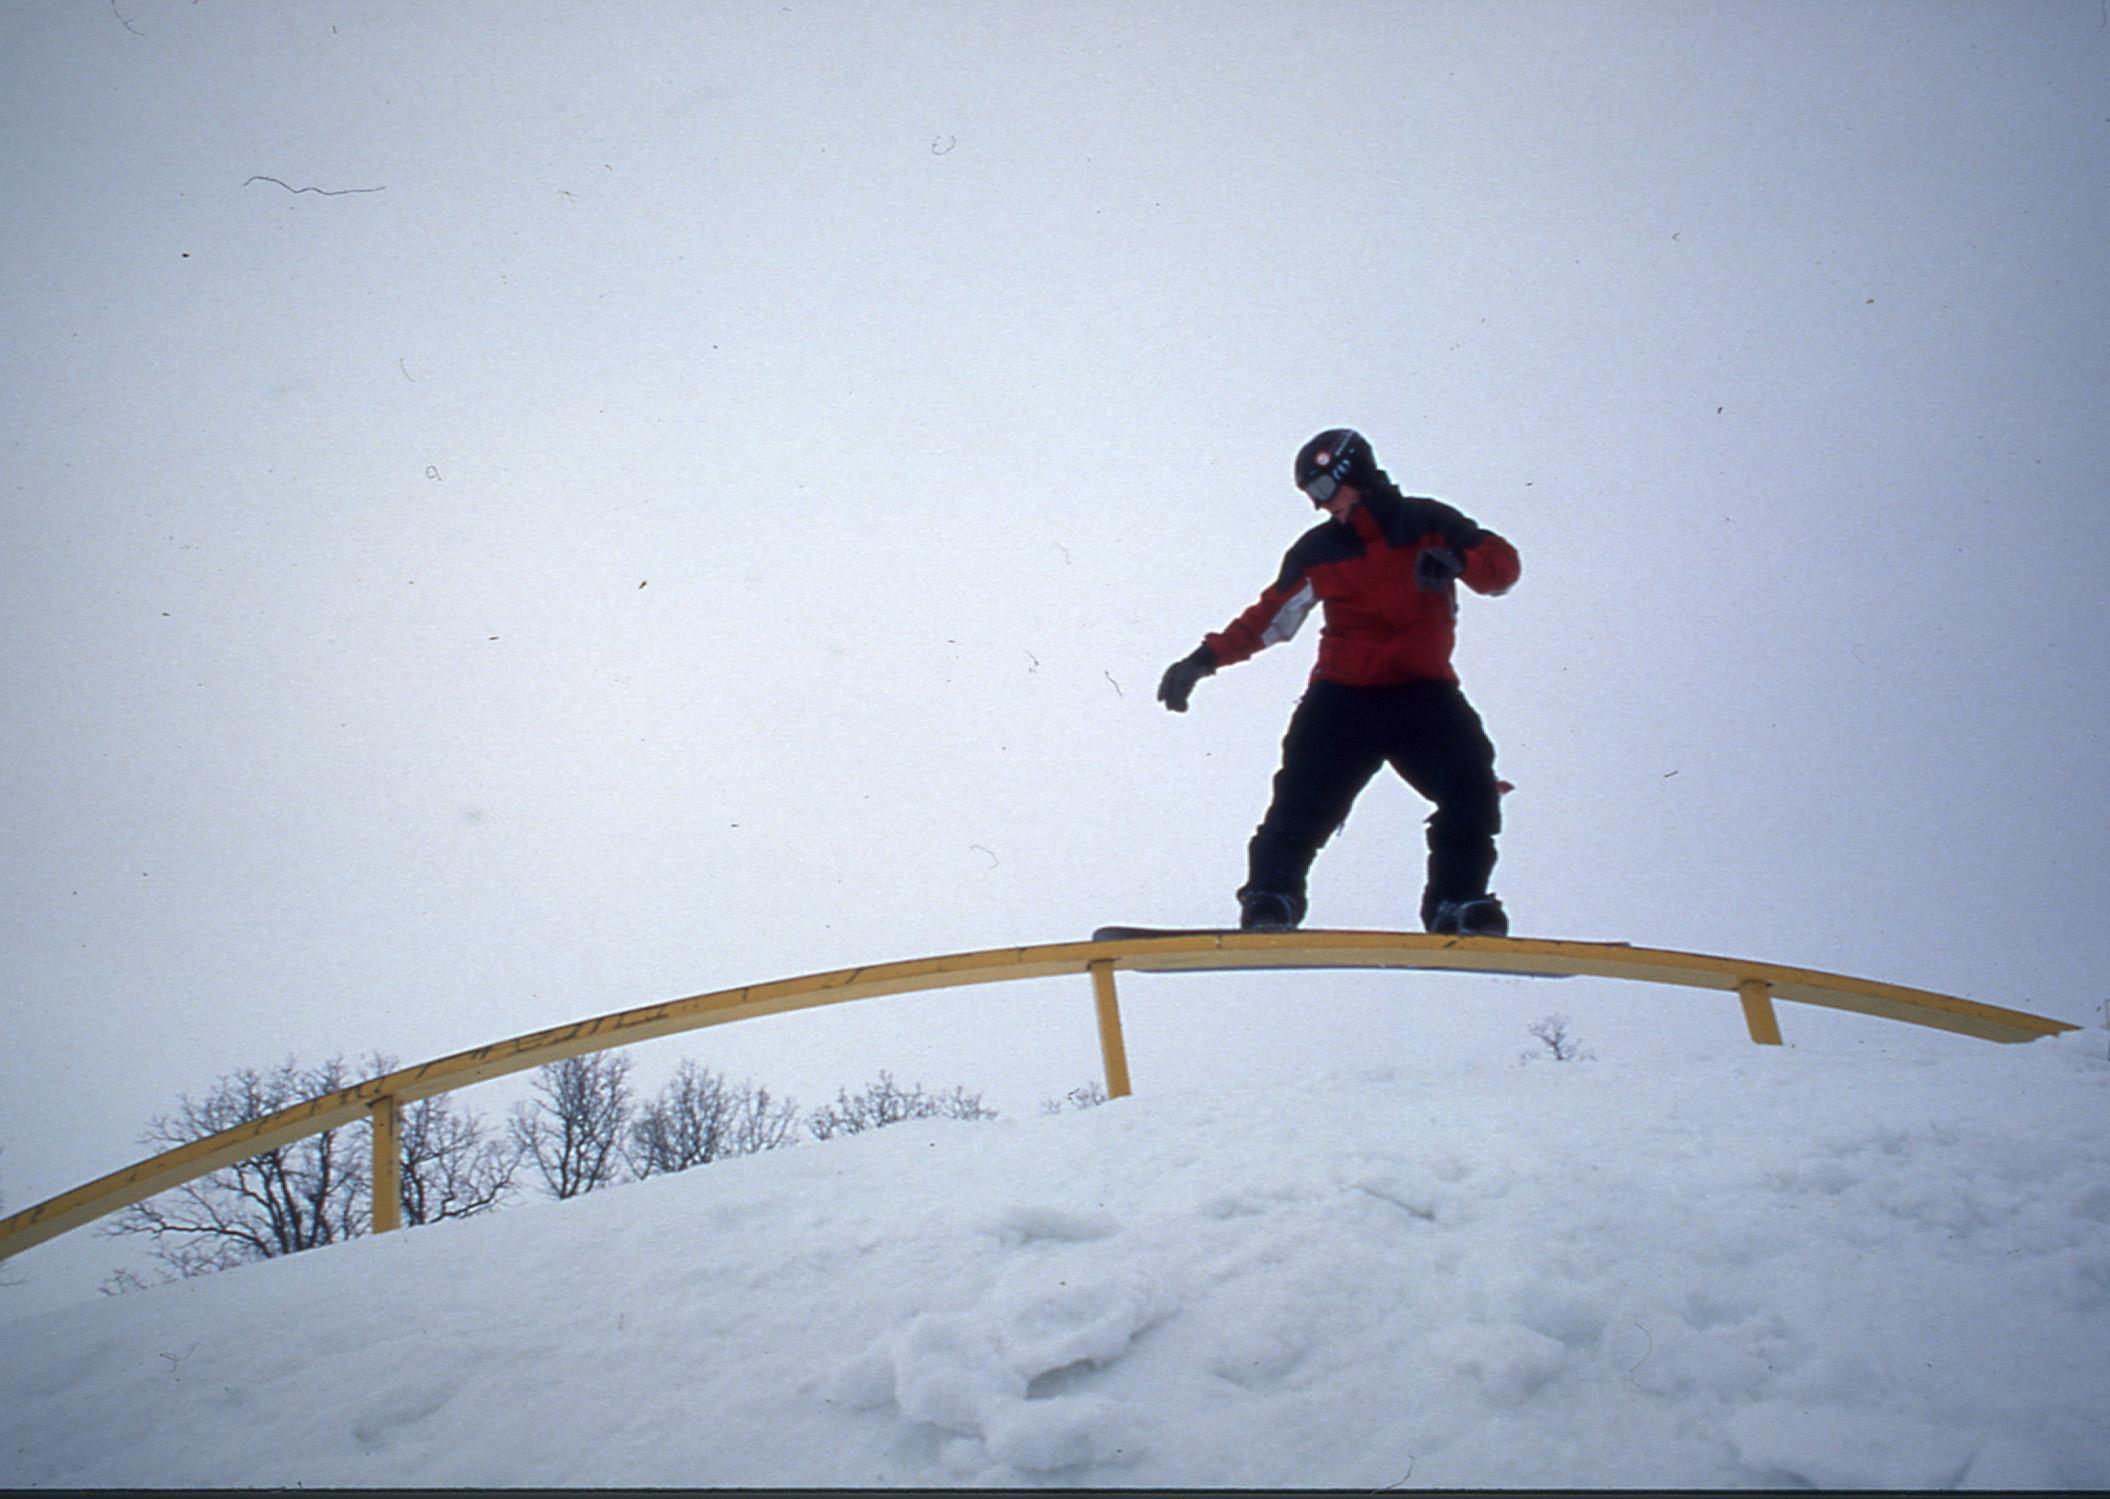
<point x="886" y="1102"/>
<point x="573" y="1129"/>
<point x="1090" y="1096"/>
<point x="1561" y="1044"/>
<point x="700" y="1117"/>
<point x="449" y="1169"/>
<point x="292" y="1198"/>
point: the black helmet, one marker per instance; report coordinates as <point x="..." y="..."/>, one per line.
<point x="1330" y="460"/>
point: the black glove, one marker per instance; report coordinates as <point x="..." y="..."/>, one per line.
<point x="1181" y="676"/>
<point x="1436" y="569"/>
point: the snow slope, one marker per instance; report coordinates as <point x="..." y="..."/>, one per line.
<point x="1881" y="1267"/>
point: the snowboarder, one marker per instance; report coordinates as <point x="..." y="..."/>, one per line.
<point x="1385" y="566"/>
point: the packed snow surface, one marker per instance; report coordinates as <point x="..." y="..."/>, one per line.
<point x="1883" y="1267"/>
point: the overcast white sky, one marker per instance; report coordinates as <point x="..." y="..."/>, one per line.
<point x="701" y="493"/>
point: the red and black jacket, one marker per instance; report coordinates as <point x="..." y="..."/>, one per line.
<point x="1380" y="629"/>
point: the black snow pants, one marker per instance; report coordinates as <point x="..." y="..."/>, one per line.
<point x="1338" y="737"/>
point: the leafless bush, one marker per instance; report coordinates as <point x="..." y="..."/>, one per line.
<point x="1090" y="1096"/>
<point x="886" y="1102"/>
<point x="295" y="1197"/>
<point x="449" y="1169"/>
<point x="1561" y="1043"/>
<point x="699" y="1117"/>
<point x="573" y="1129"/>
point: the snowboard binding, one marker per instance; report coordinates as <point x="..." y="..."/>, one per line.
<point x="1478" y="916"/>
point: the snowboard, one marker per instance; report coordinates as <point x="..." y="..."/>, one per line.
<point x="1139" y="933"/>
<point x="1136" y="933"/>
<point x="1131" y="933"/>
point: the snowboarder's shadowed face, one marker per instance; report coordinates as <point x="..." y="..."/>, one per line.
<point x="1345" y="499"/>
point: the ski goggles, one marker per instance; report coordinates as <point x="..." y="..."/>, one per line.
<point x="1320" y="487"/>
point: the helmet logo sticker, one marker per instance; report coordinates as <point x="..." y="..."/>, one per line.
<point x="1341" y="458"/>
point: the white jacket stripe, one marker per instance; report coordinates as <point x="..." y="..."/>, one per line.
<point x="1289" y="619"/>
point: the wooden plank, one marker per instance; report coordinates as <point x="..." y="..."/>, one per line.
<point x="1759" y="1019"/>
<point x="1113" y="1050"/>
<point x="387" y="1172"/>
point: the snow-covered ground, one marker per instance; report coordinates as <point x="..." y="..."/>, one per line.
<point x="1878" y="1268"/>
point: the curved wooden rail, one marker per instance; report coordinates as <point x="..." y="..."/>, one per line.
<point x="1757" y="985"/>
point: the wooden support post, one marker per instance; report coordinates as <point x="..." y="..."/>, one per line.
<point x="1112" y="1049"/>
<point x="387" y="1174"/>
<point x="1764" y="1025"/>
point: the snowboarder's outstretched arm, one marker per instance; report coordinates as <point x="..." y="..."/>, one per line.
<point x="1277" y="616"/>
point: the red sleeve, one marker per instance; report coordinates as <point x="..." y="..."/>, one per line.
<point x="1492" y="565"/>
<point x="1276" y="617"/>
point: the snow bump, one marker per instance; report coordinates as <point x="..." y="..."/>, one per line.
<point x="1057" y="1225"/>
<point x="1012" y="1370"/>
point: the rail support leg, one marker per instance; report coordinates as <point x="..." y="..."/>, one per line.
<point x="1112" y="1049"/>
<point x="1764" y="1025"/>
<point x="387" y="1174"/>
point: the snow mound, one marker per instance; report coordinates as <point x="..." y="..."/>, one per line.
<point x="1882" y="1269"/>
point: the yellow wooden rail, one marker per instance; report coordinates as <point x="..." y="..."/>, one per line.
<point x="381" y="1099"/>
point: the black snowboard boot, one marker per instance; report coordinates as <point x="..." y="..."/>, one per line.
<point x="1479" y="916"/>
<point x="1266" y="911"/>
